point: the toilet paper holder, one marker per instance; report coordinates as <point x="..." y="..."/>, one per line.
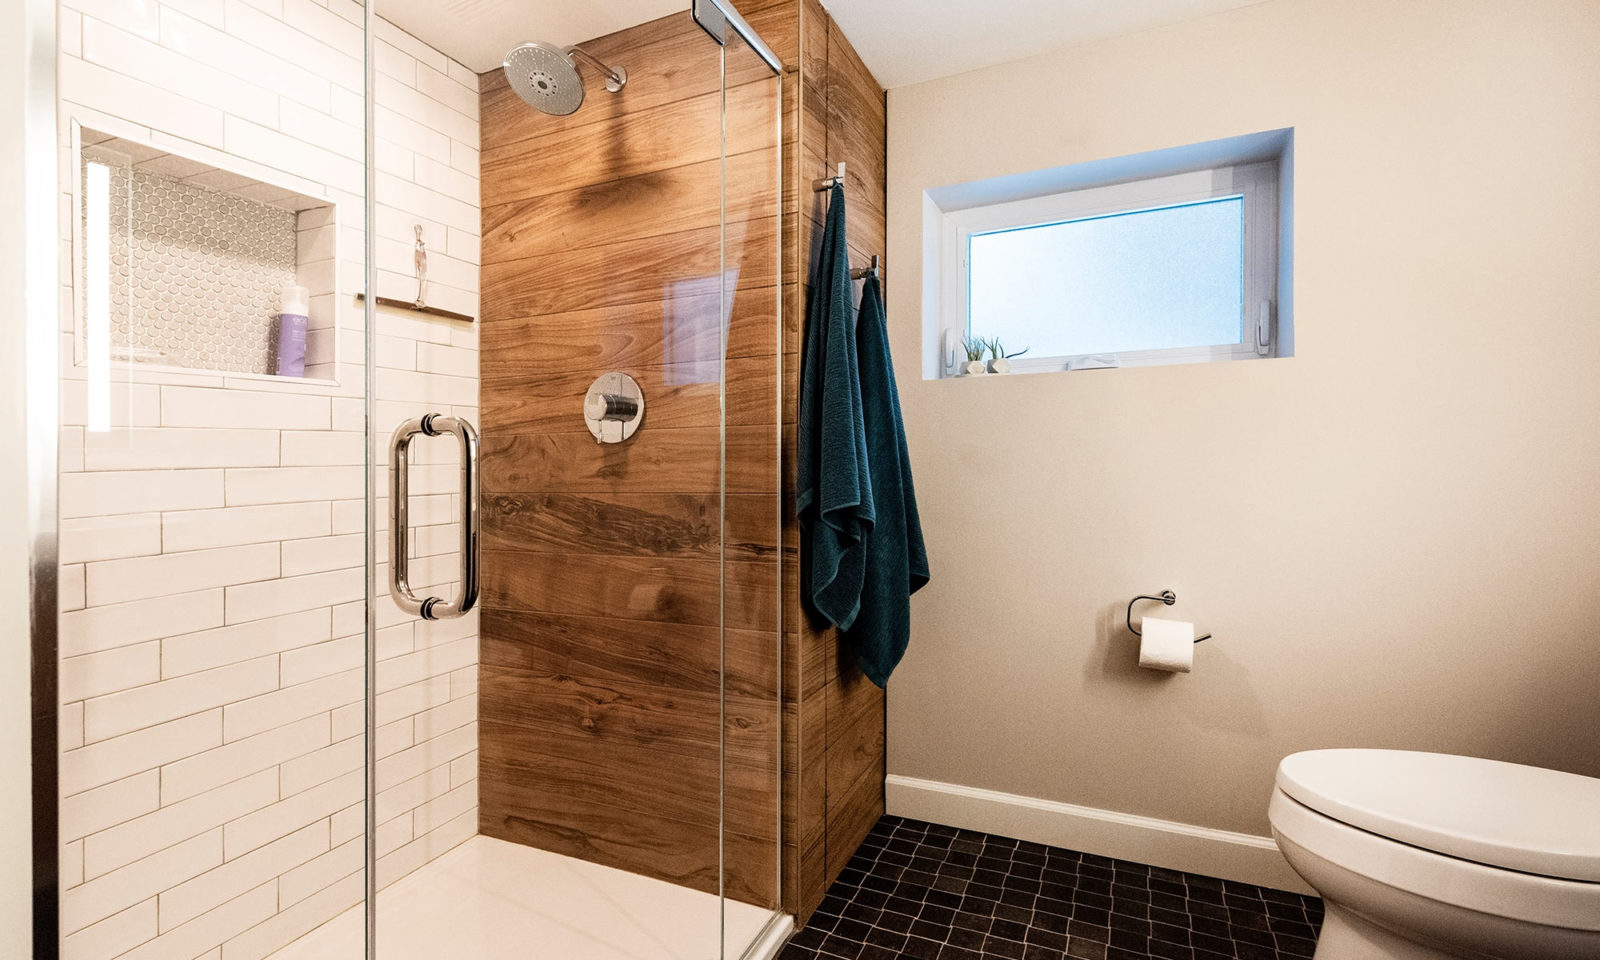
<point x="1167" y="597"/>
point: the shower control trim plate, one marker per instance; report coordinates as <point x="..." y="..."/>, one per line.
<point x="614" y="408"/>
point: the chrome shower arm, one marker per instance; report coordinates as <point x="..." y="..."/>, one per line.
<point x="616" y="77"/>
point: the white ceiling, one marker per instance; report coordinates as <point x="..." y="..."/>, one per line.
<point x="479" y="32"/>
<point x="908" y="41"/>
<point x="902" y="41"/>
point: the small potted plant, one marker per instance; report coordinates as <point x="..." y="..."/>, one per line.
<point x="1002" y="360"/>
<point x="975" y="349"/>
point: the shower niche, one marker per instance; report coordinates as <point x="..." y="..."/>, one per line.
<point x="181" y="264"/>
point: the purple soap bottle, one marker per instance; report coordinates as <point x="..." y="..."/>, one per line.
<point x="293" y="309"/>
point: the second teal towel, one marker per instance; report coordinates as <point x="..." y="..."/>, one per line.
<point x="897" y="562"/>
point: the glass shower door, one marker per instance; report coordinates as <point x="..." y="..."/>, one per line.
<point x="213" y="501"/>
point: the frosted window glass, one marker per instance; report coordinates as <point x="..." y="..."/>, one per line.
<point x="1147" y="280"/>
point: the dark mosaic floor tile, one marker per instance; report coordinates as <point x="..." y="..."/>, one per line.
<point x="1167" y="950"/>
<point x="1259" y="937"/>
<point x="1086" y="949"/>
<point x="887" y="939"/>
<point x="925" y="891"/>
<point x="1177" y="918"/>
<point x="1127" y="924"/>
<point x="1002" y="947"/>
<point x="1291" y="928"/>
<point x="1047" y="939"/>
<point x="1170" y="933"/>
<point x="968" y="920"/>
<point x="967" y="939"/>
<point x="918" y="948"/>
<point x="895" y="922"/>
<point x="1129" y="940"/>
<point x="1006" y="911"/>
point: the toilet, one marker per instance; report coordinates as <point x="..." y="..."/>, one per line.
<point x="1431" y="856"/>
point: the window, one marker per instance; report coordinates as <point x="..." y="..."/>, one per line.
<point x="1177" y="267"/>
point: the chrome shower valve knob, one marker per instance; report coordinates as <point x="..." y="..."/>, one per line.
<point x="613" y="408"/>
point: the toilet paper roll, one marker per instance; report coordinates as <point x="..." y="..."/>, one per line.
<point x="1166" y="645"/>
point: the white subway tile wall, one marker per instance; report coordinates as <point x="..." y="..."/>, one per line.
<point x="212" y="539"/>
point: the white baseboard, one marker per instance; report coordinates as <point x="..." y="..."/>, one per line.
<point x="1159" y="843"/>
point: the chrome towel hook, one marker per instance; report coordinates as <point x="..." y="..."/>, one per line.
<point x="1167" y="597"/>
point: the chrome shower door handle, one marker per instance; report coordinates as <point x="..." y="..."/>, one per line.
<point x="432" y="608"/>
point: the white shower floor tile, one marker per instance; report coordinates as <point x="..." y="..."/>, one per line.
<point x="492" y="900"/>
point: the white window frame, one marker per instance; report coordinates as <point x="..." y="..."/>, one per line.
<point x="1255" y="182"/>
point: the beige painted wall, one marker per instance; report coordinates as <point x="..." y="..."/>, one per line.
<point x="16" y="852"/>
<point x="1395" y="534"/>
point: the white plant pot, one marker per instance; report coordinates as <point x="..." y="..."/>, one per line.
<point x="999" y="365"/>
<point x="974" y="367"/>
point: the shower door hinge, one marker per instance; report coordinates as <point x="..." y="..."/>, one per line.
<point x="711" y="19"/>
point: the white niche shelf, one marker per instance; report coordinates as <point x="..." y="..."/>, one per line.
<point x="179" y="264"/>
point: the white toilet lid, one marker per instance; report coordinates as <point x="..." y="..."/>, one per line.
<point x="1502" y="814"/>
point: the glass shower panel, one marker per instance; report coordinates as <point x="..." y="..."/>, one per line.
<point x="752" y="517"/>
<point x="555" y="789"/>
<point x="213" y="497"/>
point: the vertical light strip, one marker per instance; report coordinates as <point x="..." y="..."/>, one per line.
<point x="41" y="286"/>
<point x="97" y="292"/>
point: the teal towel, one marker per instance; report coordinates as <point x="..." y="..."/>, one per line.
<point x="834" y="493"/>
<point x="897" y="562"/>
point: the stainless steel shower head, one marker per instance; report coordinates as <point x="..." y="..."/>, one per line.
<point x="546" y="77"/>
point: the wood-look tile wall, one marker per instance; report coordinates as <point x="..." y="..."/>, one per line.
<point x="603" y="588"/>
<point x="600" y="563"/>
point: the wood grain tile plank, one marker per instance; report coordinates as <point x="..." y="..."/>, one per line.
<point x="632" y="588"/>
<point x="652" y="333"/>
<point x="850" y="819"/>
<point x="634" y="524"/>
<point x="652" y="204"/>
<point x="675" y="656"/>
<point x="654" y="461"/>
<point x="678" y="395"/>
<point x="639" y="271"/>
<point x="564" y="156"/>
